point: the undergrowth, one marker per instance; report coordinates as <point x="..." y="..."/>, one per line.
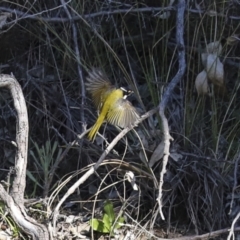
<point x="136" y="49"/>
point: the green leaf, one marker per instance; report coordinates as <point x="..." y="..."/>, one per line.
<point x="96" y="224"/>
<point x="54" y="147"/>
<point x="118" y="225"/>
<point x="99" y="226"/>
<point x="38" y="206"/>
<point x="108" y="209"/>
<point x="30" y="175"/>
<point x="106" y="221"/>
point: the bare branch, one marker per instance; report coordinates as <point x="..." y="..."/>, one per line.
<point x="19" y="183"/>
<point x="37" y="16"/>
<point x="18" y="213"/>
<point x="205" y="236"/>
<point x="15" y="200"/>
<point x="231" y="232"/>
<point x="168" y="93"/>
<point x="154" y="10"/>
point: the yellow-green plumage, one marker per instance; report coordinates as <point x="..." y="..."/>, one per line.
<point x="110" y="101"/>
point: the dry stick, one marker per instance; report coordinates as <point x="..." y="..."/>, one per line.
<point x="95" y="167"/>
<point x="231" y="232"/>
<point x="154" y="10"/>
<point x="15" y="200"/>
<point x="37" y="16"/>
<point x="168" y="92"/>
<point x="204" y="236"/>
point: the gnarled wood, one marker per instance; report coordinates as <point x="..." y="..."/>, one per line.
<point x="15" y="199"/>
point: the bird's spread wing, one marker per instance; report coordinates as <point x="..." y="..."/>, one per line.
<point x="122" y="114"/>
<point x="99" y="86"/>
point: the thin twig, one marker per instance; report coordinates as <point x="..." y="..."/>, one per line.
<point x="168" y="93"/>
<point x="205" y="236"/>
<point x="231" y="232"/>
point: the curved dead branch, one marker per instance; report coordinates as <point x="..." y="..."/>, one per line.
<point x="14" y="200"/>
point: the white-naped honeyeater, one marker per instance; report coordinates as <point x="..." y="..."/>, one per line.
<point x="110" y="101"/>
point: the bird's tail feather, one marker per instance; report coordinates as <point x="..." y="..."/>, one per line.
<point x="93" y="132"/>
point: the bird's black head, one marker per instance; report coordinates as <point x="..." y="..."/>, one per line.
<point x="126" y="92"/>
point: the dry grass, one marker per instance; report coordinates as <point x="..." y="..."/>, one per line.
<point x="136" y="49"/>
